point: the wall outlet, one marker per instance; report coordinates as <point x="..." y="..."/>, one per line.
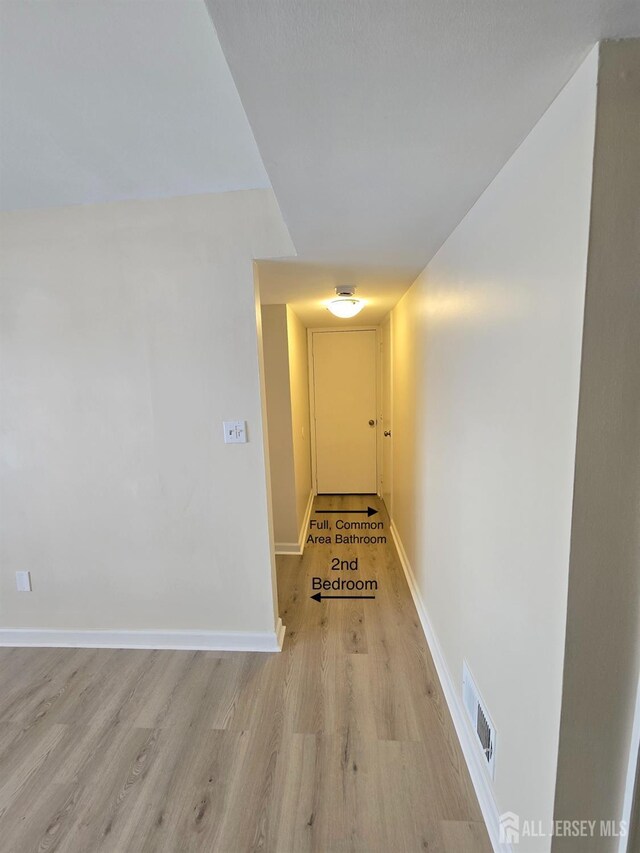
<point x="235" y="432"/>
<point x="23" y="581"/>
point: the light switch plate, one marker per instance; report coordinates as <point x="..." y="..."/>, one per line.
<point x="23" y="581"/>
<point x="235" y="432"/>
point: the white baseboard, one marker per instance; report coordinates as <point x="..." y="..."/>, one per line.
<point x="298" y="547"/>
<point x="280" y="632"/>
<point x="287" y="548"/>
<point x="471" y="751"/>
<point x="230" y="641"/>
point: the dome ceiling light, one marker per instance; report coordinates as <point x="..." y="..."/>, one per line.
<point x="345" y="304"/>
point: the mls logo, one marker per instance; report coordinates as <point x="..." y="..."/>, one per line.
<point x="509" y="828"/>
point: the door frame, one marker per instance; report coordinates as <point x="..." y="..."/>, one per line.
<point x="388" y="319"/>
<point x="312" y="398"/>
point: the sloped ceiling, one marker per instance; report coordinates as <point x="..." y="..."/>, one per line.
<point x="380" y="122"/>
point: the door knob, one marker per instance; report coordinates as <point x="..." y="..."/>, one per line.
<point x="372" y="422"/>
<point x="387" y="432"/>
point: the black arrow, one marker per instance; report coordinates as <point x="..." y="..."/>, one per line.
<point x="318" y="596"/>
<point x="369" y="511"/>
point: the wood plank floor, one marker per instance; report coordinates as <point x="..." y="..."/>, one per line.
<point x="341" y="743"/>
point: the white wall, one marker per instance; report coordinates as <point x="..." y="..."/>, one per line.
<point x="128" y="334"/>
<point x="486" y="377"/>
<point x="603" y="614"/>
<point x="278" y="399"/>
<point x="299" y="383"/>
<point x="287" y="397"/>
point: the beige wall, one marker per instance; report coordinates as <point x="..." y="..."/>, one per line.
<point x="299" y="383"/>
<point x="287" y="394"/>
<point x="128" y="335"/>
<point x="279" y="421"/>
<point x="486" y="377"/>
<point x="603" y="622"/>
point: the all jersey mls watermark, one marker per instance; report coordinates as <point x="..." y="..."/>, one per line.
<point x="513" y="828"/>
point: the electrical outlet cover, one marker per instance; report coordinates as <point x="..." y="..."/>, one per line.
<point x="23" y="581"/>
<point x="235" y="432"/>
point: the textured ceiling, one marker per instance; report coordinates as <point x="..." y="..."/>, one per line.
<point x="107" y="100"/>
<point x="380" y="122"/>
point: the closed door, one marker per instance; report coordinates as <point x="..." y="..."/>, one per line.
<point x="344" y="391"/>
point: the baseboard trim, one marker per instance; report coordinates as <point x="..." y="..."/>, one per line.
<point x="282" y="548"/>
<point x="471" y="752"/>
<point x="228" y="641"/>
<point x="305" y="524"/>
<point x="280" y="632"/>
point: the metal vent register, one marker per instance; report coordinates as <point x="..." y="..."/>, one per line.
<point x="480" y="719"/>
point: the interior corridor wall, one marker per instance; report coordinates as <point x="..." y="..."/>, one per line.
<point x="299" y="383"/>
<point x="279" y="423"/>
<point x="128" y="336"/>
<point x="602" y="658"/>
<point x="287" y="396"/>
<point x="486" y="377"/>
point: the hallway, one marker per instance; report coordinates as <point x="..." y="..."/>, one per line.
<point x="375" y="758"/>
<point x="259" y="262"/>
<point x="342" y="742"/>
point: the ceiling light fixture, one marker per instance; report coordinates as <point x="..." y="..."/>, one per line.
<point x="345" y="304"/>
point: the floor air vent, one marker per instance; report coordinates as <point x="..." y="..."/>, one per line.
<point x="480" y="719"/>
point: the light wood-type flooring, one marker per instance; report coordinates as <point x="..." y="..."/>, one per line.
<point x="343" y="742"/>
